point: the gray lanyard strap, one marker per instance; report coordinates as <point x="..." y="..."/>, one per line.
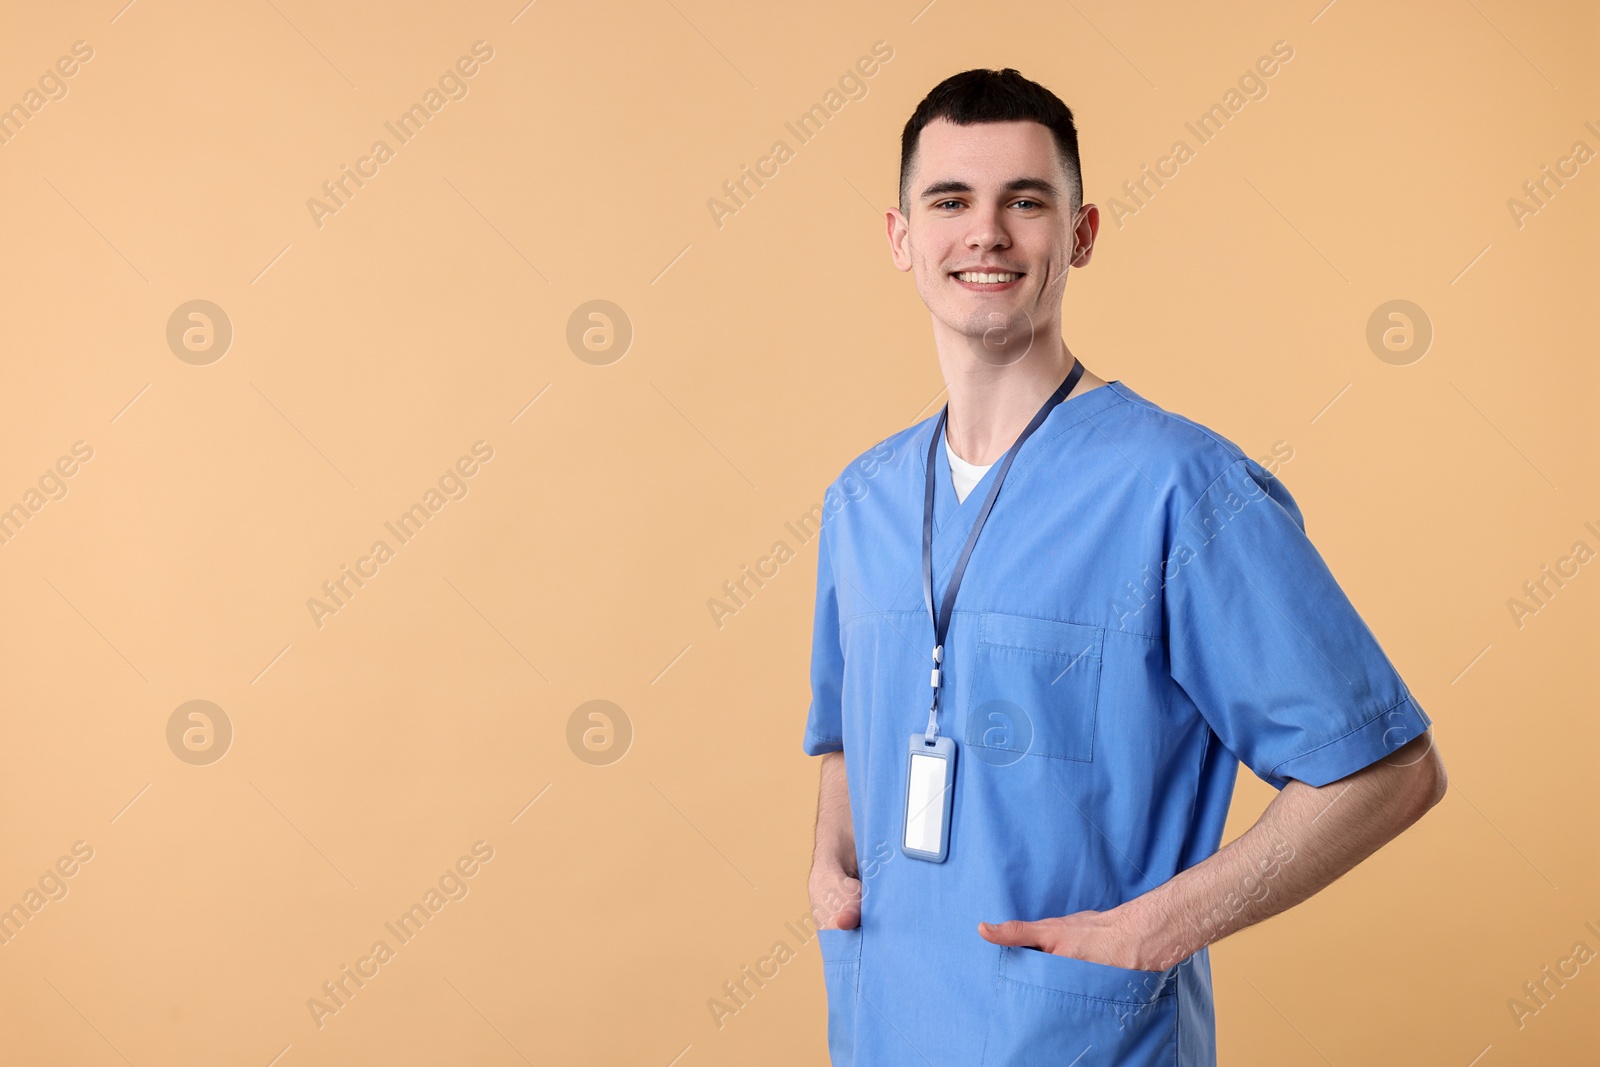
<point x="941" y="616"/>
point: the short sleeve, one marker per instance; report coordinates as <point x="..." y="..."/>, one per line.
<point x="824" y="723"/>
<point x="1268" y="646"/>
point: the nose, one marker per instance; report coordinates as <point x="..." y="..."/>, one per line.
<point x="986" y="229"/>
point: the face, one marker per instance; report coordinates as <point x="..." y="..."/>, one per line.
<point x="991" y="232"/>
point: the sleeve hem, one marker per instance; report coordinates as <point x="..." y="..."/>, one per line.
<point x="1359" y="748"/>
<point x="817" y="746"/>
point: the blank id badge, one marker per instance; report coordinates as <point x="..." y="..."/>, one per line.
<point x="930" y="777"/>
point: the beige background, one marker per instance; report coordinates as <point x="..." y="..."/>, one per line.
<point x="427" y="314"/>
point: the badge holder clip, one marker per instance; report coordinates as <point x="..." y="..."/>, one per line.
<point x="930" y="781"/>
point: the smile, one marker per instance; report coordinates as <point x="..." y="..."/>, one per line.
<point x="987" y="281"/>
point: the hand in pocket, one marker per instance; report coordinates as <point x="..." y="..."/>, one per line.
<point x="1093" y="936"/>
<point x="835" y="898"/>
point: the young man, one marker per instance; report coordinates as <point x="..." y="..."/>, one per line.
<point x="1021" y="865"/>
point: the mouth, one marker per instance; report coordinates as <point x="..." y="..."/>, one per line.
<point x="981" y="281"/>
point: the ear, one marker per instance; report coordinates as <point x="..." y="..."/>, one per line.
<point x="898" y="229"/>
<point x="1083" y="236"/>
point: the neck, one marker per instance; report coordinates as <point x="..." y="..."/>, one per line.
<point x="990" y="405"/>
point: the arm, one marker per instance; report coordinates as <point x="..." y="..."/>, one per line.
<point x="1307" y="837"/>
<point x="835" y="884"/>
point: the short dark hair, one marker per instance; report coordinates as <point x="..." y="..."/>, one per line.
<point x="980" y="95"/>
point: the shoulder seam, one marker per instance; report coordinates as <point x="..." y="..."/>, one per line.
<point x="1184" y="519"/>
<point x="1228" y="447"/>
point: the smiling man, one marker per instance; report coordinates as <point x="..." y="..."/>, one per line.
<point x="1043" y="644"/>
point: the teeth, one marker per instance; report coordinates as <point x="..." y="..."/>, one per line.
<point x="974" y="276"/>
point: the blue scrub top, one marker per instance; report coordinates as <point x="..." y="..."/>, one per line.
<point x="1142" y="613"/>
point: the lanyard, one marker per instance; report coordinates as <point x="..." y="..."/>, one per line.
<point x="941" y="616"/>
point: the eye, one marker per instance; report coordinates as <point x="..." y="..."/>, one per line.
<point x="1031" y="204"/>
<point x="942" y="203"/>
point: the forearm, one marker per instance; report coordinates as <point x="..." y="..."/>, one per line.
<point x="836" y="838"/>
<point x="1306" y="838"/>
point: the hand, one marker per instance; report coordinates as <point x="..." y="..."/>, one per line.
<point x="835" y="897"/>
<point x="1108" y="937"/>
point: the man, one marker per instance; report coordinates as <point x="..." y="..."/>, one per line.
<point x="1021" y="864"/>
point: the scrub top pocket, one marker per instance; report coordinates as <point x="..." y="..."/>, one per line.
<point x="1055" y="1010"/>
<point x="841" y="975"/>
<point x="1035" y="688"/>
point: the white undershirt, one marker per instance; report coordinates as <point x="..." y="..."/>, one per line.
<point x="963" y="475"/>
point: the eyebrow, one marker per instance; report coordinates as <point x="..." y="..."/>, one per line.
<point x="1015" y="185"/>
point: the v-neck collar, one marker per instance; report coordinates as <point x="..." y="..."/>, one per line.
<point x="944" y="492"/>
<point x="946" y="507"/>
